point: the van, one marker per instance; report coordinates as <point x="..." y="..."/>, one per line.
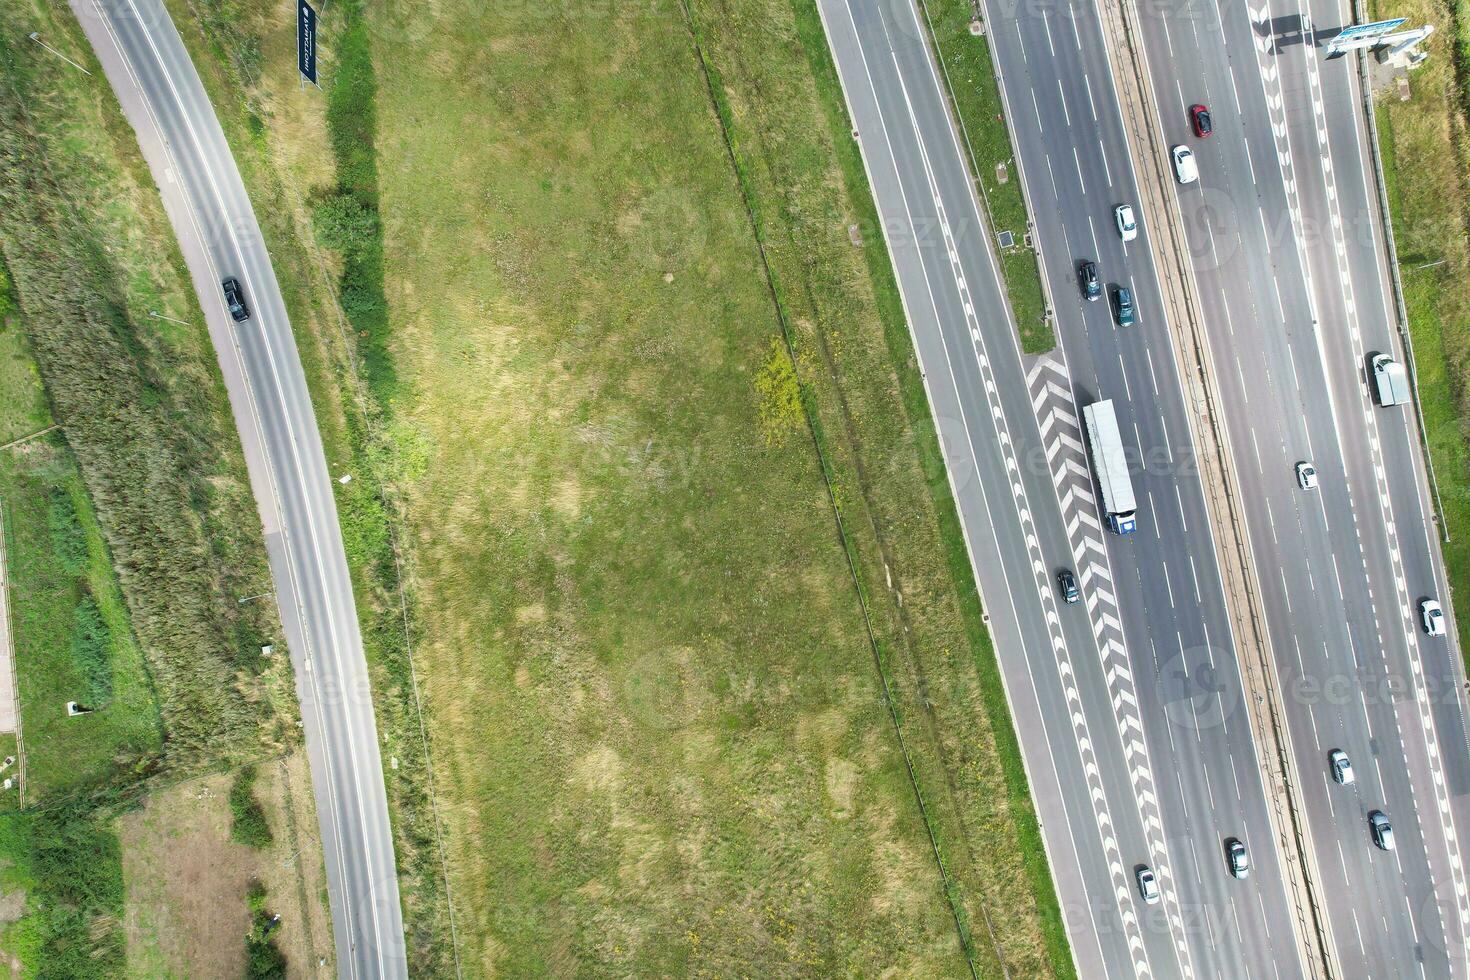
<point x="1390" y="380"/>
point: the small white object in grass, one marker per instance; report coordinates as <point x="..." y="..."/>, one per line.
<point x="393" y="762"/>
<point x="346" y="479"/>
<point x="267" y="650"/>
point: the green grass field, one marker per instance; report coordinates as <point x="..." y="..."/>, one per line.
<point x="648" y="681"/>
<point x="657" y="715"/>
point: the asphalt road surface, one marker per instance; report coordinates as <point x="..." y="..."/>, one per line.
<point x="1070" y="140"/>
<point x="160" y="92"/>
<point x="1288" y="258"/>
<point x="1128" y="705"/>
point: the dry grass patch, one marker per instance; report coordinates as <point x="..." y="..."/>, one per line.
<point x="186" y="880"/>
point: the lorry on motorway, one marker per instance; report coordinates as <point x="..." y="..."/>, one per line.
<point x="1110" y="466"/>
<point x="1390" y="380"/>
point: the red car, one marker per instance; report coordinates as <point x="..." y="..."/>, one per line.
<point x="1199" y="118"/>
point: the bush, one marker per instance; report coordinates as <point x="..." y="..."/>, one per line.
<point x="263" y="960"/>
<point x="346" y="224"/>
<point x="72" y="866"/>
<point x="91" y="651"/>
<point x="249" y="826"/>
<point x="68" y="540"/>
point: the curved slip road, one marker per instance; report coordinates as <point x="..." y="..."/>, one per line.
<point x="149" y="69"/>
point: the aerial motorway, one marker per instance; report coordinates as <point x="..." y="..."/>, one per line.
<point x="1226" y="188"/>
<point x="162" y="96"/>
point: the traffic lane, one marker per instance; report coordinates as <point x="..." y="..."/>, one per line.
<point x="1000" y="347"/>
<point x="1405" y="470"/>
<point x="1257" y="438"/>
<point x="1339" y="310"/>
<point x="1052" y="118"/>
<point x="231" y="234"/>
<point x="862" y="97"/>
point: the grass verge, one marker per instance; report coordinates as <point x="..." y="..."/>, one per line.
<point x="805" y="181"/>
<point x="1427" y="168"/>
<point x="975" y="95"/>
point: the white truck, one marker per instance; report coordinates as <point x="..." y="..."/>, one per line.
<point x="1390" y="381"/>
<point x="1110" y="466"/>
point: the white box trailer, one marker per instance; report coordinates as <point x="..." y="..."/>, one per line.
<point x="1110" y="466"/>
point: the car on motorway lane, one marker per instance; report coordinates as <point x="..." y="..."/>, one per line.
<point x="1087" y="276"/>
<point x="1185" y="169"/>
<point x="235" y="299"/>
<point x="1236" y="859"/>
<point x="1381" y="830"/>
<point x="1199" y="120"/>
<point x="1148" y="884"/>
<point x="1127" y="224"/>
<point x="1341" y="766"/>
<point x="1123" y="305"/>
<point x="1306" y="475"/>
<point x="1067" y="585"/>
<point x="1432" y="615"/>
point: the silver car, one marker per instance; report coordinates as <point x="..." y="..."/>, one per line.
<point x="1148" y="884"/>
<point x="1381" y="830"/>
<point x="1236" y="859"/>
<point x="1341" y="767"/>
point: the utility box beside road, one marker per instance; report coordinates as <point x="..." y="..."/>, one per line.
<point x="1110" y="466"/>
<point x="1390" y="381"/>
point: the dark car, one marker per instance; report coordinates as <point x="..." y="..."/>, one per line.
<point x="1199" y="119"/>
<point x="1236" y="858"/>
<point x="1067" y="585"/>
<point x="1091" y="284"/>
<point x="1123" y="306"/>
<point x="235" y="299"/>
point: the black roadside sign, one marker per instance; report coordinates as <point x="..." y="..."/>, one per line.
<point x="306" y="40"/>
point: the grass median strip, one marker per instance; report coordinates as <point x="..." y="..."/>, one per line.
<point x="974" y="92"/>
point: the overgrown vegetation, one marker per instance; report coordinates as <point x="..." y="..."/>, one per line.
<point x="66" y="860"/>
<point x="1426" y="153"/>
<point x="144" y="431"/>
<point x="248" y="825"/>
<point x="263" y="959"/>
<point x="975" y="93"/>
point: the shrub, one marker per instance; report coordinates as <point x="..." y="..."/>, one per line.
<point x="249" y="826"/>
<point x="91" y="651"/>
<point x="263" y="960"/>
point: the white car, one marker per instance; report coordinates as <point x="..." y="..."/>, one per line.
<point x="1148" y="885"/>
<point x="1433" y="617"/>
<point x="1185" y="169"/>
<point x="1342" y="767"/>
<point x="1127" y="225"/>
<point x="1306" y="475"/>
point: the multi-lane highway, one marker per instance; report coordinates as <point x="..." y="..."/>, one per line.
<point x="1288" y="258"/>
<point x="1071" y="143"/>
<point x="161" y="94"/>
<point x="1291" y="283"/>
<point x="1139" y="754"/>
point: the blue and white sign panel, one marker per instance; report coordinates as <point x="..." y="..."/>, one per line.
<point x="306" y="40"/>
<point x="1364" y="32"/>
